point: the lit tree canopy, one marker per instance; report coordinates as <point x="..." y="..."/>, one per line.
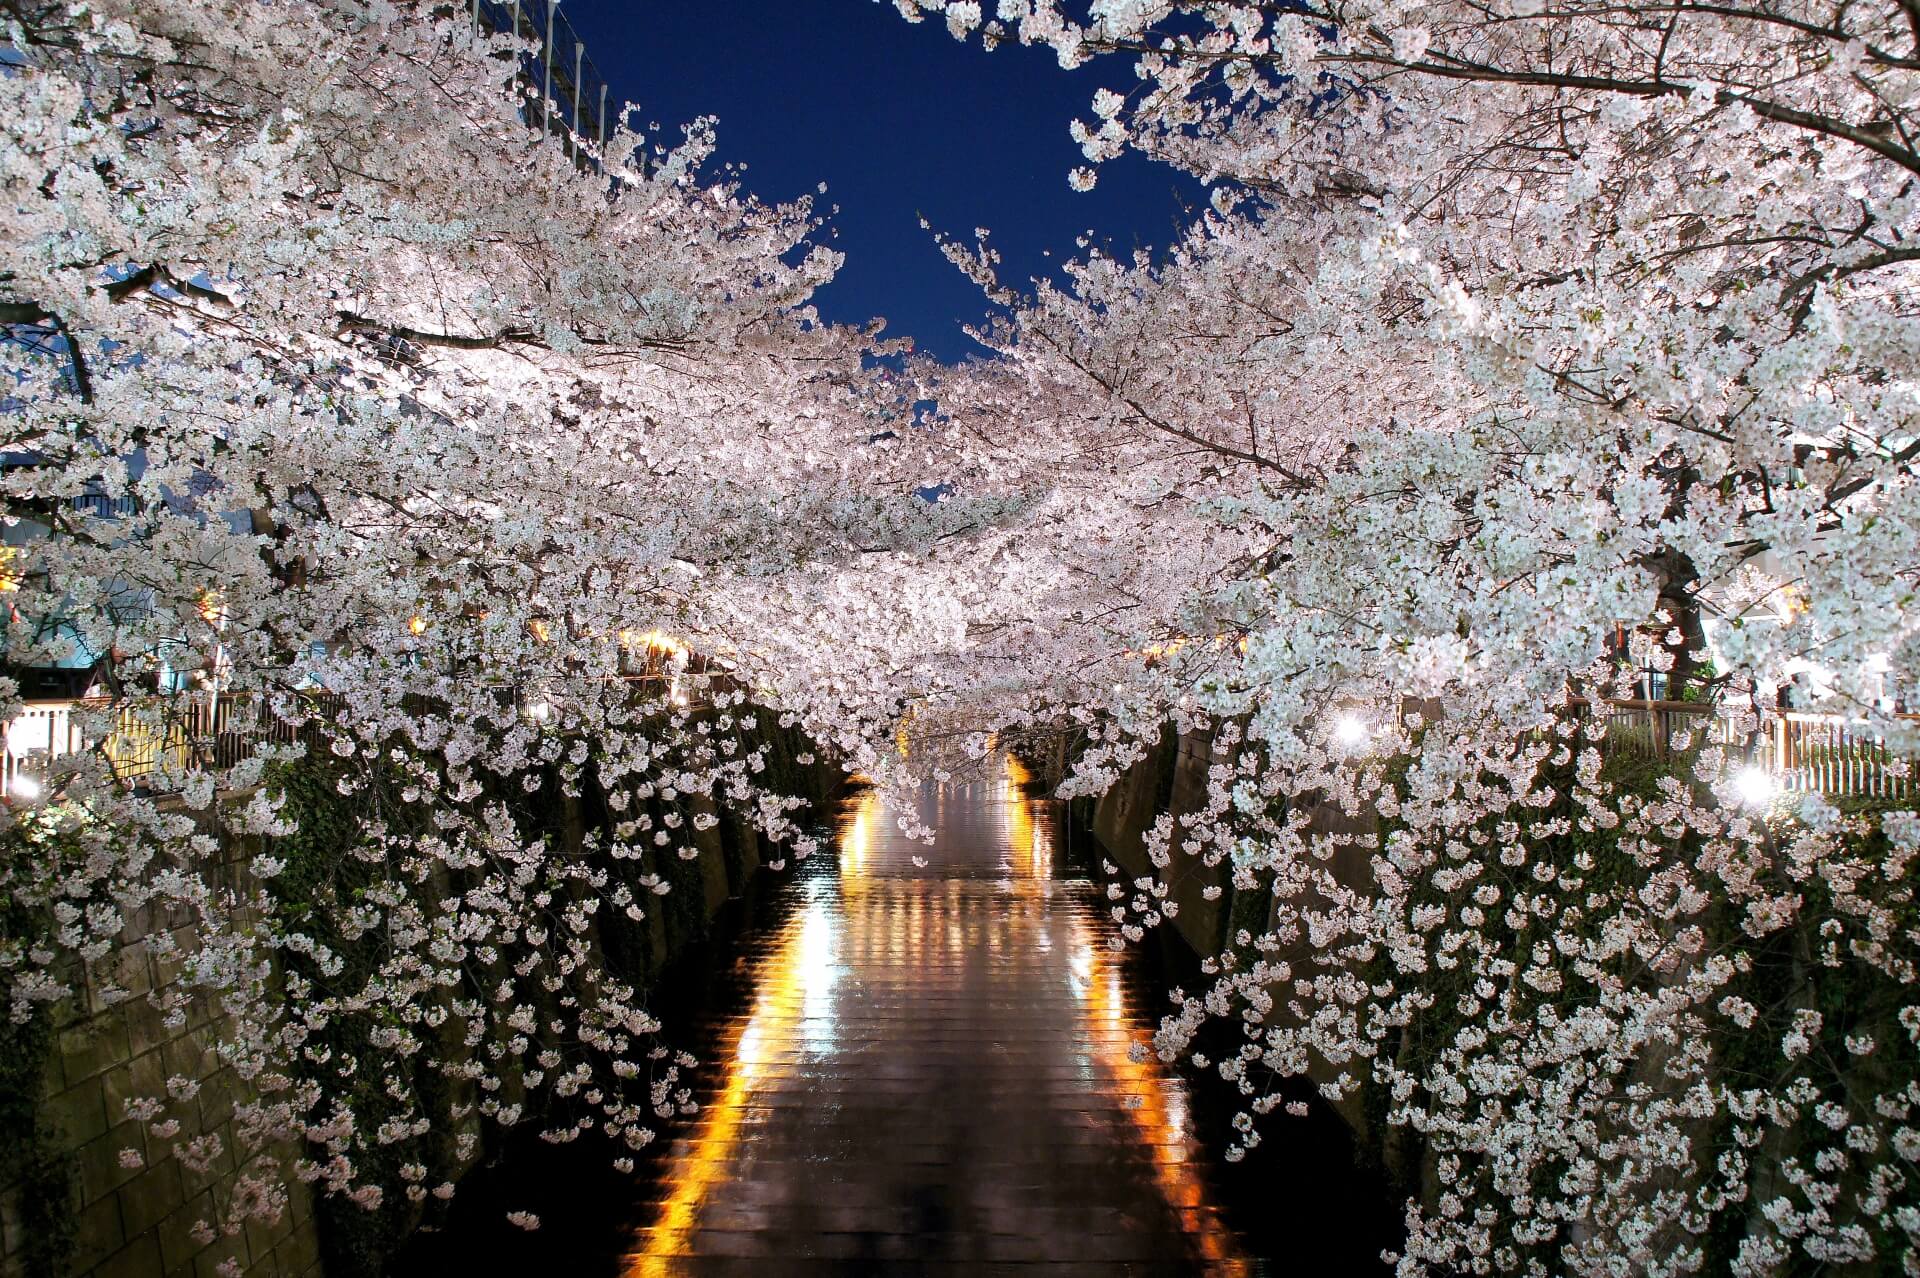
<point x="1522" y="349"/>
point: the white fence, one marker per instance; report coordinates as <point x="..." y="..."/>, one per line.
<point x="145" y="742"/>
<point x="153" y="741"/>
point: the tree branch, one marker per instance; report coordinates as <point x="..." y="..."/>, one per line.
<point x="349" y="321"/>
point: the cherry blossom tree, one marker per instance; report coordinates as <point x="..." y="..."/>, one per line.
<point x="341" y="393"/>
<point x="1513" y="331"/>
<point x="1516" y="342"/>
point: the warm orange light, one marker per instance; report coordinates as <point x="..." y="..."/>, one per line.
<point x="793" y="1015"/>
<point x="1154" y="651"/>
<point x="1032" y="864"/>
<point x="1160" y="1115"/>
<point x="541" y="630"/>
<point x="417" y="624"/>
<point x="212" y="610"/>
<point x="657" y="640"/>
<point x="857" y="842"/>
<point x="748" y="1051"/>
<point x="12" y="571"/>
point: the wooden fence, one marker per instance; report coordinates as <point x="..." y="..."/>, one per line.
<point x="1802" y="753"/>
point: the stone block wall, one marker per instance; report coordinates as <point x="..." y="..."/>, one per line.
<point x="1202" y="922"/>
<point x="140" y="1221"/>
<point x="1128" y="809"/>
<point x="1172" y="779"/>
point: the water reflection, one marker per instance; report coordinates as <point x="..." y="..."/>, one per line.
<point x="706" y="1166"/>
<point x="936" y="1065"/>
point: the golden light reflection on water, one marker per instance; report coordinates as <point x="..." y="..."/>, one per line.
<point x="1029" y="849"/>
<point x="707" y="1161"/>
<point x="1160" y="1115"/>
<point x="856" y="839"/>
<point x="913" y="917"/>
<point x="802" y="965"/>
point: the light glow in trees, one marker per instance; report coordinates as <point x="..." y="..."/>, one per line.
<point x="381" y="393"/>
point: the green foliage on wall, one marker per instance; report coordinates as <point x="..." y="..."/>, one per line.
<point x="36" y="1169"/>
<point x="320" y="872"/>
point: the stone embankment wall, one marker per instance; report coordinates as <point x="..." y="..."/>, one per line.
<point x="125" y="1221"/>
<point x="1173" y="779"/>
<point x="70" y="1208"/>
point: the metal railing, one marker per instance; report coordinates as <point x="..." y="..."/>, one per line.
<point x="569" y="97"/>
<point x="155" y="739"/>
<point x="42" y="730"/>
<point x="149" y="744"/>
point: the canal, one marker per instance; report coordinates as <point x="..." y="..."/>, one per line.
<point x="927" y="1059"/>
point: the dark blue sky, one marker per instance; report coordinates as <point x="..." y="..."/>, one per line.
<point x="899" y="120"/>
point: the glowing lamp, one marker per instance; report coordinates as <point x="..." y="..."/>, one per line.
<point x="1349" y="732"/>
<point x="1755" y="786"/>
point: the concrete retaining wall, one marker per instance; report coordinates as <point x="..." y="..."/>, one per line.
<point x="1172" y="779"/>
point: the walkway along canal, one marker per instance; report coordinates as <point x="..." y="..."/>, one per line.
<point x="930" y="1062"/>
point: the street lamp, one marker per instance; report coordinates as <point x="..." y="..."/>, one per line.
<point x="1350" y="732"/>
<point x="1755" y="786"/>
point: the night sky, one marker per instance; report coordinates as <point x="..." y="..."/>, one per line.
<point x="900" y="121"/>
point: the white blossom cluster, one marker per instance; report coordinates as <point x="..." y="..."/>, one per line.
<point x="1525" y="352"/>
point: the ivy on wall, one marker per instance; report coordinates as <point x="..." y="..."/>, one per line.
<point x="321" y="872"/>
<point x="35" y="1166"/>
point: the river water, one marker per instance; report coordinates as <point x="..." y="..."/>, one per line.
<point x="930" y="1061"/>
